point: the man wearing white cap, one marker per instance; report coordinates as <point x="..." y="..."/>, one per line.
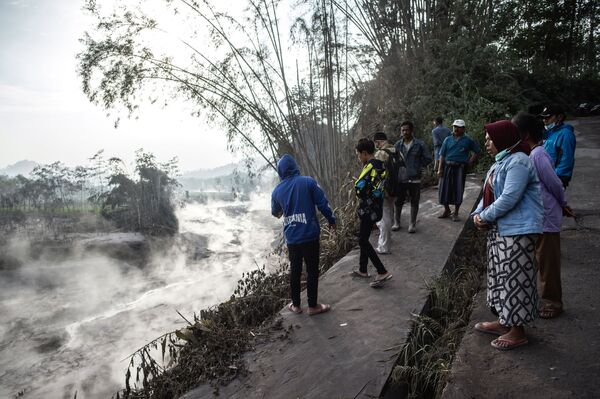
<point x="454" y="159"/>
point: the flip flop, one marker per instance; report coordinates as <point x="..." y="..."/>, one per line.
<point x="294" y="309"/>
<point x="486" y="330"/>
<point x="504" y="344"/>
<point x="320" y="308"/>
<point x="356" y="273"/>
<point x="378" y="283"/>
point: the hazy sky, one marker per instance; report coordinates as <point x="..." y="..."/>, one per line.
<point x="44" y="115"/>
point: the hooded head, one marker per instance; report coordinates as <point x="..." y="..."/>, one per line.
<point x="287" y="167"/>
<point x="505" y="135"/>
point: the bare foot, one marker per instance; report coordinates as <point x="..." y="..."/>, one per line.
<point x="294" y="309"/>
<point x="491" y="327"/>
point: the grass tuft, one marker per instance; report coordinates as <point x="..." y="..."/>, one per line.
<point x="425" y="361"/>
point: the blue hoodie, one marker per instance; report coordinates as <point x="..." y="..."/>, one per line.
<point x="560" y="144"/>
<point x="296" y="197"/>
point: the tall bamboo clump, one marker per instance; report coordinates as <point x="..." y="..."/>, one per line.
<point x="274" y="91"/>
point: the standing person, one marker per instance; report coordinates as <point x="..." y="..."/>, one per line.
<point x="369" y="190"/>
<point x="512" y="210"/>
<point x="416" y="157"/>
<point x="296" y="197"/>
<point x="384" y="150"/>
<point x="559" y="142"/>
<point x="547" y="252"/>
<point x="454" y="159"/>
<point x="438" y="135"/>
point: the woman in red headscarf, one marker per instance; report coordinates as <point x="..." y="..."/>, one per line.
<point x="512" y="211"/>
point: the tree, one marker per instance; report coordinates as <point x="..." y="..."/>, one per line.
<point x="241" y="77"/>
<point x="146" y="204"/>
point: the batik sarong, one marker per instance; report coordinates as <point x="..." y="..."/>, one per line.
<point x="511" y="278"/>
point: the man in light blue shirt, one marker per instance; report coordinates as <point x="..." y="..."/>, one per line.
<point x="455" y="156"/>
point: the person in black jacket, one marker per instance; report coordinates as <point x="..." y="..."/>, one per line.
<point x="369" y="190"/>
<point x="416" y="156"/>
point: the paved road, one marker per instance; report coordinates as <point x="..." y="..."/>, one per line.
<point x="563" y="359"/>
<point x="350" y="352"/>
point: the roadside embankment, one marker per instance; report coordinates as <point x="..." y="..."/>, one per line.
<point x="351" y="351"/>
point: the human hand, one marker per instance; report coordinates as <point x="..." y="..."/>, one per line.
<point x="568" y="212"/>
<point x="440" y="173"/>
<point x="479" y="224"/>
<point x="332" y="227"/>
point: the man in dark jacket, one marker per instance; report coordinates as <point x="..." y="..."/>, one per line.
<point x="295" y="198"/>
<point x="416" y="156"/>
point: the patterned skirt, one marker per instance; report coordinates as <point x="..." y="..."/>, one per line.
<point x="512" y="278"/>
<point x="452" y="185"/>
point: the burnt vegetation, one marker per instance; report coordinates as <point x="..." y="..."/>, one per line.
<point x="211" y="347"/>
<point x="63" y="198"/>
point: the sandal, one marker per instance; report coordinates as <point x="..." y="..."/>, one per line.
<point x="357" y="273"/>
<point x="483" y="327"/>
<point x="455" y="217"/>
<point x="504" y="344"/>
<point x="549" y="312"/>
<point x="389" y="276"/>
<point x="320" y="308"/>
<point x="294" y="309"/>
<point x="379" y="282"/>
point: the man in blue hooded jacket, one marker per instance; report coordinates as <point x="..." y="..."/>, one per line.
<point x="295" y="198"/>
<point x="559" y="142"/>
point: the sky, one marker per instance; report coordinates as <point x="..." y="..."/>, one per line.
<point x="45" y="117"/>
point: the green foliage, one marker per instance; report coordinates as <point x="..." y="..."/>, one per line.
<point x="556" y="38"/>
<point x="480" y="61"/>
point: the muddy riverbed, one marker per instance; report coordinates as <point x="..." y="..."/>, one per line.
<point x="72" y="314"/>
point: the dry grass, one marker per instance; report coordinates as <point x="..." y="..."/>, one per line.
<point x="211" y="348"/>
<point x="424" y="362"/>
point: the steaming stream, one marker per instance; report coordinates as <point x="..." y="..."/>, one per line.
<point x="67" y="325"/>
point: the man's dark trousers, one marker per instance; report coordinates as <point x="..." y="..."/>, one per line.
<point x="414" y="191"/>
<point x="309" y="252"/>
<point x="366" y="249"/>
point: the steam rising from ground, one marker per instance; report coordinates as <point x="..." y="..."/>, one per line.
<point x="68" y="322"/>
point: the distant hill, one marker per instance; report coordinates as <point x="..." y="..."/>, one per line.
<point x="221" y="171"/>
<point x="20" y="168"/>
<point x="224" y="170"/>
<point x="225" y="178"/>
